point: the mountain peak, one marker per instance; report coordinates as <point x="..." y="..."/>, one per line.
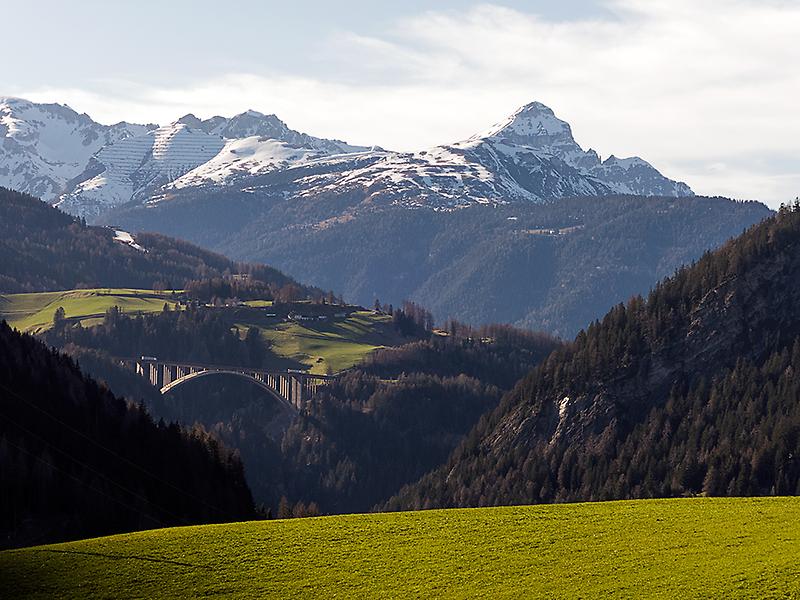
<point x="190" y="120"/>
<point x="534" y="107"/>
<point x="250" y="122"/>
<point x="534" y="124"/>
<point x="252" y="113"/>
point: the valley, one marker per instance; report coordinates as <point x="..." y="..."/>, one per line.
<point x="556" y="356"/>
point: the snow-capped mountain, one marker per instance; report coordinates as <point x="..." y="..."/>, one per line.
<point x="534" y="133"/>
<point x="530" y="156"/>
<point x="257" y="144"/>
<point x="190" y="152"/>
<point x="89" y="169"/>
<point x="122" y="172"/>
<point x="43" y="146"/>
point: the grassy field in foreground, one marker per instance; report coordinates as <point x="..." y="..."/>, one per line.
<point x="686" y="548"/>
<point x="33" y="313"/>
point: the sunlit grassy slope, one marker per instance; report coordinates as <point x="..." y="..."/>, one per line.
<point x="698" y="548"/>
<point x="33" y="313"/>
<point x="335" y="344"/>
<point x="321" y="346"/>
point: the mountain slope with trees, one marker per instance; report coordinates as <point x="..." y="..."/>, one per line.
<point x="44" y="249"/>
<point x="692" y="390"/>
<point x="382" y="425"/>
<point x="77" y="461"/>
<point x="552" y="267"/>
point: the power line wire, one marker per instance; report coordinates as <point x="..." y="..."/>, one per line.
<point x="94" y="471"/>
<point x="87" y="485"/>
<point x="111" y="451"/>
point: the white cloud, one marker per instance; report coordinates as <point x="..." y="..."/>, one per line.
<point x="705" y="90"/>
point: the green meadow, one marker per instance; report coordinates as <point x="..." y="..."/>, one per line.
<point x="332" y="345"/>
<point x="322" y="346"/>
<point x="678" y="548"/>
<point x="33" y="313"/>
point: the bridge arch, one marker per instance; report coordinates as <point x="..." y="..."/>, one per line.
<point x="197" y="374"/>
<point x="292" y="388"/>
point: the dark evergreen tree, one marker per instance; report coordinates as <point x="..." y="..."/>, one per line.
<point x="76" y="461"/>
<point x="693" y="390"/>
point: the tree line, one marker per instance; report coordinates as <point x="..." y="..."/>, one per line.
<point x="45" y="249"/>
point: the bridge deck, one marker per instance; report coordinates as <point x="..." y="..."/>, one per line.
<point x="293" y="387"/>
<point x="217" y="367"/>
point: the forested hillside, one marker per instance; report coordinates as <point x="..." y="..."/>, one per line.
<point x="45" y="249"/>
<point x="77" y="461"/>
<point x="400" y="414"/>
<point x="380" y="426"/>
<point x="551" y="266"/>
<point x="692" y="390"/>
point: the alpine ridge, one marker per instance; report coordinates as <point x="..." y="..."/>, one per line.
<point x="90" y="170"/>
<point x="43" y="146"/>
<point x="530" y="157"/>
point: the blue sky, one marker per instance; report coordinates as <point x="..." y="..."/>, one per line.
<point x="172" y="41"/>
<point x="705" y="89"/>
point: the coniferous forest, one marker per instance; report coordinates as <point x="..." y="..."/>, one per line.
<point x="691" y="390"/>
<point x="79" y="462"/>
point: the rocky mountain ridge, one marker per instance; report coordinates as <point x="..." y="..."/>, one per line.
<point x="89" y="169"/>
<point x="44" y="146"/>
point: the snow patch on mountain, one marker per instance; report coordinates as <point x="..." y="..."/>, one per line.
<point x="89" y="169"/>
<point x="250" y="156"/>
<point x="126" y="238"/>
<point x="43" y="146"/>
<point x="128" y="170"/>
